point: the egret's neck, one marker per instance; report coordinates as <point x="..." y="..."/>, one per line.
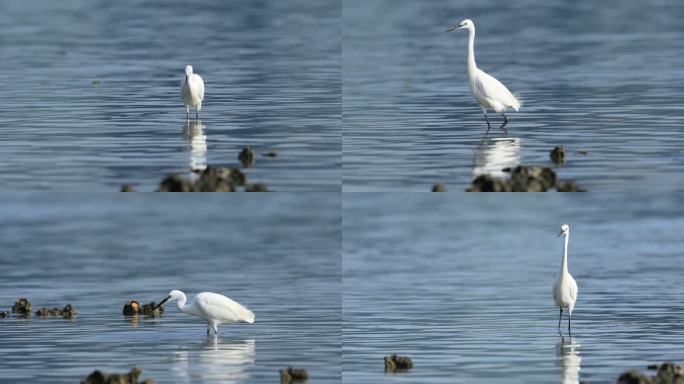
<point x="471" y="50"/>
<point x="181" y="303"/>
<point x="564" y="263"/>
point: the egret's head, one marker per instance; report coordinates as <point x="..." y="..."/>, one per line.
<point x="467" y="23"/>
<point x="188" y="70"/>
<point x="175" y="294"/>
<point x="565" y="229"/>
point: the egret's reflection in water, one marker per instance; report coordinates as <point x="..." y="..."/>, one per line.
<point x="197" y="144"/>
<point x="492" y="155"/>
<point x="567" y="350"/>
<point x="215" y="360"/>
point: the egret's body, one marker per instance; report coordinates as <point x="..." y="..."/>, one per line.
<point x="565" y="286"/>
<point x="192" y="90"/>
<point x="488" y="91"/>
<point x="212" y="307"/>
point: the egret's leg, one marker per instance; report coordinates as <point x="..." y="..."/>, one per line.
<point x="504" y="123"/>
<point x="196" y="113"/>
<point x="486" y="119"/>
<point x="187" y="113"/>
<point x="214" y="325"/>
<point x="559" y="317"/>
<point x="208" y="328"/>
<point x="569" y="317"/>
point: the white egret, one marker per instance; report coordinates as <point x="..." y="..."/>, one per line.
<point x="488" y="91"/>
<point x="192" y="90"/>
<point x="565" y="287"/>
<point x="212" y="307"/>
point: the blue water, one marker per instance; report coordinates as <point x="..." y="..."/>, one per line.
<point x="271" y="71"/>
<point x="602" y="77"/>
<point x="462" y="285"/>
<point x="278" y="256"/>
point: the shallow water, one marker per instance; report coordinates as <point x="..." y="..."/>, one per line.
<point x="462" y="285"/>
<point x="97" y="253"/>
<point x="602" y="77"/>
<point x="271" y="70"/>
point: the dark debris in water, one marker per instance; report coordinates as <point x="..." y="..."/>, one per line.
<point x="133" y="308"/>
<point x="667" y="373"/>
<point x="4" y="314"/>
<point x="212" y="179"/>
<point x="256" y="187"/>
<point x="523" y="179"/>
<point x="127" y="188"/>
<point x="22" y="307"/>
<point x="270" y="154"/>
<point x="293" y="375"/>
<point x="247" y="156"/>
<point x="395" y="363"/>
<point x="99" y="377"/>
<point x="439" y="188"/>
<point x="557" y="155"/>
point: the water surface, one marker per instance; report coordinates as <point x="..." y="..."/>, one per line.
<point x="605" y="78"/>
<point x="279" y="257"/>
<point x="463" y="285"/>
<point x="91" y="91"/>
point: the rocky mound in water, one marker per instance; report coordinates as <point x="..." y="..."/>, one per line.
<point x="395" y="363"/>
<point x="212" y="179"/>
<point x="666" y="373"/>
<point x="99" y="377"/>
<point x="524" y="179"/>
<point x="290" y="375"/>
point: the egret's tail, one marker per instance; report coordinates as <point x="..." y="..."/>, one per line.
<point x="515" y="103"/>
<point x="248" y="317"/>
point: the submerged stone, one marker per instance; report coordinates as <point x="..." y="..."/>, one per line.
<point x="395" y="363"/>
<point x="247" y="156"/>
<point x="22" y="307"/>
<point x="99" y="377"/>
<point x="256" y="187"/>
<point x="557" y="155"/>
<point x="289" y="375"/>
<point x="439" y="188"/>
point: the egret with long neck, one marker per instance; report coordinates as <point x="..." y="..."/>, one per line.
<point x="212" y="307"/>
<point x="488" y="91"/>
<point x="565" y="287"/>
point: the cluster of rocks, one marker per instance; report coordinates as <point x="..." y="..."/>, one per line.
<point x="291" y="375"/>
<point x="24" y="308"/>
<point x="133" y="308"/>
<point x="395" y="363"/>
<point x="67" y="312"/>
<point x="523" y="179"/>
<point x="212" y="179"/>
<point x="99" y="377"/>
<point x="666" y="373"/>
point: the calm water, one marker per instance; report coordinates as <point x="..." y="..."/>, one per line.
<point x="278" y="256"/>
<point x="603" y="77"/>
<point x="463" y="286"/>
<point x="271" y="70"/>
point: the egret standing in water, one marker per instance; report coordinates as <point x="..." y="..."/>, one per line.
<point x="192" y="90"/>
<point x="488" y="91"/>
<point x="565" y="287"/>
<point x="212" y="307"/>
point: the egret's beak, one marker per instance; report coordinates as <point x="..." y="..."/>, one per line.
<point x="162" y="302"/>
<point x="561" y="232"/>
<point x="454" y="28"/>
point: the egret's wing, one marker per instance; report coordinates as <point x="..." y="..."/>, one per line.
<point x="200" y="87"/>
<point x="493" y="89"/>
<point x="573" y="290"/>
<point x="219" y="307"/>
